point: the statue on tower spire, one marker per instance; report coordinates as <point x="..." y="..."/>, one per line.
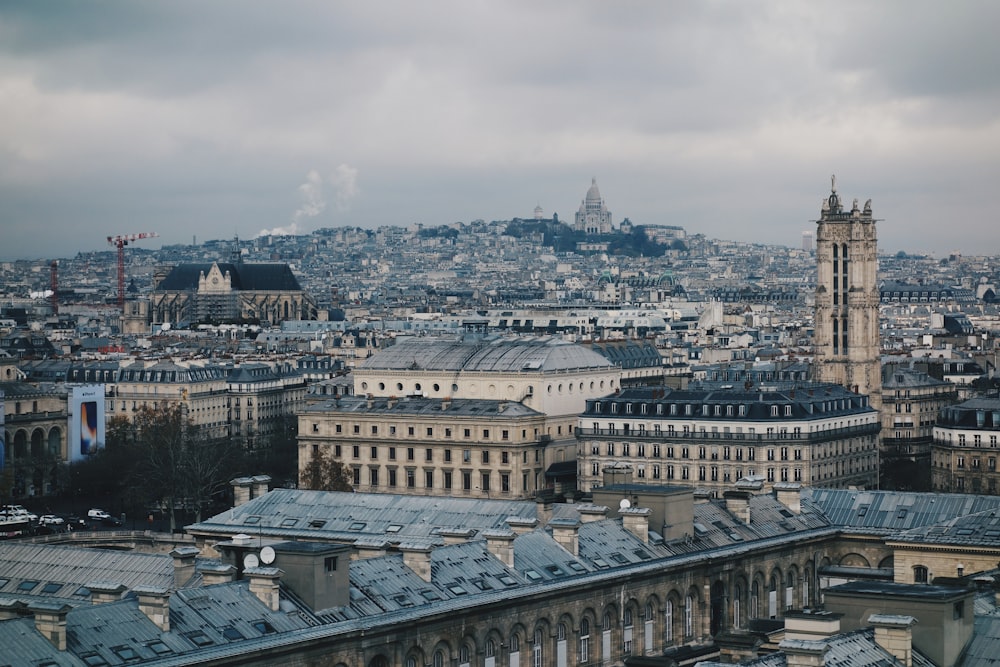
<point x="833" y="183"/>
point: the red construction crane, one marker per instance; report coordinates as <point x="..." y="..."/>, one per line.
<point x="121" y="241"/>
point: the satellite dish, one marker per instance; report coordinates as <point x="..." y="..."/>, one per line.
<point x="624" y="504"/>
<point x="165" y="326"/>
<point x="267" y="555"/>
<point x="250" y="560"/>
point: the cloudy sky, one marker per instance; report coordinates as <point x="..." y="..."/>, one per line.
<point x="209" y="119"/>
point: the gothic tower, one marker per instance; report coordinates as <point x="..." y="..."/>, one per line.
<point x="847" y="298"/>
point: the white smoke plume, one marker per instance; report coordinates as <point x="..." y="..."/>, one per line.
<point x="344" y="180"/>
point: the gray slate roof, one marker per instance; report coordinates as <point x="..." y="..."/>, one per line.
<point x="346" y="517"/>
<point x="245" y="277"/>
<point x="886" y="512"/>
<point x="60" y="572"/>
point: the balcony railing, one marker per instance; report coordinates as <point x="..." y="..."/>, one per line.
<point x="716" y="436"/>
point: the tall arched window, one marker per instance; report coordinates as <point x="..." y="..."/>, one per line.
<point x="561" y="649"/>
<point x="628" y="623"/>
<point x="790" y="590"/>
<point x="438" y="658"/>
<point x="649" y="619"/>
<point x="737" y="596"/>
<point x="536" y="650"/>
<point x="606" y="638"/>
<point x="584" y="641"/>
<point x="411" y="662"/>
<point x="668" y="622"/>
<point x="772" y="597"/>
<point x="755" y="600"/>
<point x="688" y="616"/>
<point x="491" y="653"/>
<point x="463" y="656"/>
<point x="514" y="658"/>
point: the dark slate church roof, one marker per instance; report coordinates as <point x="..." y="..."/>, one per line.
<point x="245" y="277"/>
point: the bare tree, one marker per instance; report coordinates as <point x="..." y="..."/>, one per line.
<point x="323" y="473"/>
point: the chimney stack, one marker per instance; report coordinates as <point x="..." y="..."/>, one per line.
<point x="102" y="592"/>
<point x="789" y="494"/>
<point x="217" y="573"/>
<point x="895" y="634"/>
<point x="417" y="557"/>
<point x="10" y="608"/>
<point x="260" y="485"/>
<point x="590" y="513"/>
<point x="804" y="652"/>
<point x="636" y="521"/>
<point x="155" y="604"/>
<point x="738" y="504"/>
<point x="264" y="584"/>
<point x="456" y="535"/>
<point x="50" y="621"/>
<point x="241" y="490"/>
<point x="566" y="532"/>
<point x="183" y="565"/>
<point x="500" y="543"/>
<point x="519" y="525"/>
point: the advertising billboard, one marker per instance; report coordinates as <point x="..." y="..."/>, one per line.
<point x="86" y="420"/>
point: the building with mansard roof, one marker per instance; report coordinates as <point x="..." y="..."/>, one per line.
<point x="966" y="447"/>
<point x="811" y="433"/>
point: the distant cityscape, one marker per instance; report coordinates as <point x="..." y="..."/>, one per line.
<point x="596" y="442"/>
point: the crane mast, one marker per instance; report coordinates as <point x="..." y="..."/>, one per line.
<point x="120" y="241"/>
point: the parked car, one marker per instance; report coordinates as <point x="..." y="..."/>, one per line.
<point x="51" y="520"/>
<point x="18" y="511"/>
<point x="102" y="517"/>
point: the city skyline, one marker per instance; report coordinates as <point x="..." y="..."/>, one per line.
<point x="206" y="121"/>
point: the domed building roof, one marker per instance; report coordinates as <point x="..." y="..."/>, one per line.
<point x="593" y="194"/>
<point x="498" y="355"/>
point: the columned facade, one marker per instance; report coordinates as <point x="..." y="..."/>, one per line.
<point x="847" y="298"/>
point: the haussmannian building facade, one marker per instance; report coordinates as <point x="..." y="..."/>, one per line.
<point x="816" y="435"/>
<point x="911" y="402"/>
<point x="474" y="448"/>
<point x="966" y="448"/>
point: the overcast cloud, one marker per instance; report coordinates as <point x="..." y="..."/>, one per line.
<point x="205" y="119"/>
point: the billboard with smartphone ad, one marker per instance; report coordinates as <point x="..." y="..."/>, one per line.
<point x="86" y="420"/>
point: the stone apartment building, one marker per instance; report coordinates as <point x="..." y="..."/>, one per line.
<point x="475" y="448"/>
<point x="966" y="448"/>
<point x="813" y="434"/>
<point x="911" y="402"/>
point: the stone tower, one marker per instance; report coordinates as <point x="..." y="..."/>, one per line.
<point x="847" y="298"/>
